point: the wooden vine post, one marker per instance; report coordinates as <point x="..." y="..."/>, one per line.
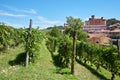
<point x="118" y="47"/>
<point x="28" y="43"/>
<point x="74" y="52"/>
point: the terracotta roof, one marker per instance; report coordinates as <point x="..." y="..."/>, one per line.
<point x="116" y="24"/>
<point x="95" y="35"/>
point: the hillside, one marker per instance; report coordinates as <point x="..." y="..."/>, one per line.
<point x="44" y="69"/>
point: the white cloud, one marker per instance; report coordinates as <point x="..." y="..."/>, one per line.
<point x="29" y="11"/>
<point x="32" y="11"/>
<point x="45" y="20"/>
<point x="3" y="13"/>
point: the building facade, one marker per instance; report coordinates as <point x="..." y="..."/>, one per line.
<point x="94" y="24"/>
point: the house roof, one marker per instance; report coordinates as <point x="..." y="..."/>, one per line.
<point x="116" y="24"/>
<point x="95" y="35"/>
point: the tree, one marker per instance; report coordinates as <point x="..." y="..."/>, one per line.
<point x="76" y="24"/>
<point x="65" y="50"/>
<point x="6" y="36"/>
<point x="53" y="36"/>
<point x="97" y="59"/>
<point x="55" y="32"/>
<point x="111" y="60"/>
<point x="86" y="51"/>
<point x="112" y="21"/>
<point x="81" y="36"/>
<point x="33" y="39"/>
<point x="10" y="37"/>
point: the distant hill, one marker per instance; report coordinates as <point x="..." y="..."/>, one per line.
<point x="60" y="27"/>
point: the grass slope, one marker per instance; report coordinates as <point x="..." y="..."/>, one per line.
<point x="44" y="69"/>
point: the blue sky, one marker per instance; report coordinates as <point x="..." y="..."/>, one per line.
<point x="45" y="13"/>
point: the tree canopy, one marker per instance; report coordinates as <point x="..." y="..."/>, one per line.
<point x="55" y="32"/>
<point x="112" y="21"/>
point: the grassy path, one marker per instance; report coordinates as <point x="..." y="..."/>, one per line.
<point x="84" y="73"/>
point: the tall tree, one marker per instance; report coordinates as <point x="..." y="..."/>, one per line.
<point x="81" y="36"/>
<point x="76" y="24"/>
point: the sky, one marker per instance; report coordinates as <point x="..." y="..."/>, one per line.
<point x="46" y="13"/>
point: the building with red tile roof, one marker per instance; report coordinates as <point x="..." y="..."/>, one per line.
<point x="98" y="39"/>
<point x="94" y="24"/>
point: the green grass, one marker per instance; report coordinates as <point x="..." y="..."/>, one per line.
<point x="44" y="69"/>
<point x="101" y="73"/>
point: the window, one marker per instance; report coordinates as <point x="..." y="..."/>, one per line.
<point x="97" y="42"/>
